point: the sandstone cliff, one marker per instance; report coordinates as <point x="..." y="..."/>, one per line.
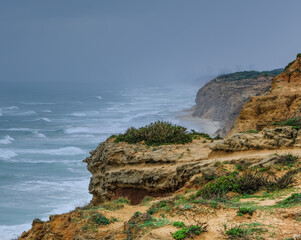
<point x="222" y="98"/>
<point x="281" y="103"/>
<point x="135" y="170"/>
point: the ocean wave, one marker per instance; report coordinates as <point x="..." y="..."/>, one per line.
<point x="19" y="129"/>
<point x="84" y="114"/>
<point x="43" y="119"/>
<point x="33" y="161"/>
<point x="39" y="135"/>
<point x="27" y="113"/>
<point x="14" y="231"/>
<point x="7" y="140"/>
<point x="65" y="151"/>
<point x="78" y="114"/>
<point x="92" y="130"/>
<point x="10" y="108"/>
<point x="99" y="97"/>
<point x="6" y="154"/>
<point x="37" y="103"/>
<point x="47" y="111"/>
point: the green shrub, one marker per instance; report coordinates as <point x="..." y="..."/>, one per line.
<point x="179" y="224"/>
<point x="236" y="232"/>
<point x="293" y="200"/>
<point x="159" y="133"/>
<point x="100" y="219"/>
<point x="155" y="134"/>
<point x="293" y="122"/>
<point x="243" y="211"/>
<point x="252" y="131"/>
<point x="287" y="159"/>
<point x="181" y="234"/>
<point x="298" y="55"/>
<point x="248" y="183"/>
<point x="37" y="220"/>
<point x="189" y="232"/>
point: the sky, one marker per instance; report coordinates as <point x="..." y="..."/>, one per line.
<point x="144" y="41"/>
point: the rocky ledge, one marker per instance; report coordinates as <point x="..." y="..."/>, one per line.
<point x="268" y="138"/>
<point x="136" y="170"/>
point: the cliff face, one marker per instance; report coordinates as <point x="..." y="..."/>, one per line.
<point x="135" y="171"/>
<point x="281" y="103"/>
<point x="222" y="98"/>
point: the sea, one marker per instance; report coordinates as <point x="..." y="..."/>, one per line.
<point x="46" y="132"/>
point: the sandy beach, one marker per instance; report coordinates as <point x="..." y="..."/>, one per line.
<point x="207" y="125"/>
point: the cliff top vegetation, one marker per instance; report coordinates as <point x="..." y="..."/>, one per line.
<point x="248" y="74"/>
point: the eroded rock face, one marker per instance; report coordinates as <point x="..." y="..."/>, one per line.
<point x="268" y="138"/>
<point x="135" y="171"/>
<point x="281" y="103"/>
<point x="223" y="98"/>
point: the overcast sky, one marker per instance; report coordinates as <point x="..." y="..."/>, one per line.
<point x="144" y="40"/>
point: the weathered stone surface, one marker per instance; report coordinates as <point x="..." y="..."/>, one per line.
<point x="268" y="138"/>
<point x="134" y="171"/>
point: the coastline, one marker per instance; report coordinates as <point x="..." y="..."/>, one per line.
<point x="206" y="125"/>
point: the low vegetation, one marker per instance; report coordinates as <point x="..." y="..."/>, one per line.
<point x="245" y="210"/>
<point x="115" y="205"/>
<point x="247" y="183"/>
<point x="293" y="200"/>
<point x="244" y="231"/>
<point x="189" y="232"/>
<point x="248" y="74"/>
<point x="294" y="122"/>
<point x="159" y="133"/>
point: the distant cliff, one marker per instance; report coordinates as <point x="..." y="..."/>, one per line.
<point x="223" y="98"/>
<point x="280" y="104"/>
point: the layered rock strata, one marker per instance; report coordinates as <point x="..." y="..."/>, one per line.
<point x="268" y="138"/>
<point x="135" y="170"/>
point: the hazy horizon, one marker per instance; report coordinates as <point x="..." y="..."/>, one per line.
<point x="143" y="42"/>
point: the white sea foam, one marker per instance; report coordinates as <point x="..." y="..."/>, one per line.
<point x="83" y="114"/>
<point x="19" y="129"/>
<point x="47" y="111"/>
<point x="65" y="151"/>
<point x="10" y="108"/>
<point x="44" y="119"/>
<point x="38" y="134"/>
<point x="6" y="154"/>
<point x="13" y="231"/>
<point x="78" y="114"/>
<point x="7" y="140"/>
<point x="99" y="97"/>
<point x="37" y="103"/>
<point x="27" y="113"/>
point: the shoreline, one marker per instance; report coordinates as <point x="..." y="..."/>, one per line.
<point x="206" y="125"/>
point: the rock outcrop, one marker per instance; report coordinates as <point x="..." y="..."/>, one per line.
<point x="223" y="98"/>
<point x="268" y="138"/>
<point x="135" y="170"/>
<point x="281" y="103"/>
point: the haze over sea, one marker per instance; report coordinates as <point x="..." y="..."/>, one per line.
<point x="45" y="137"/>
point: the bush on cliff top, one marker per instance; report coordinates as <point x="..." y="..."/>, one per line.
<point x="158" y="133"/>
